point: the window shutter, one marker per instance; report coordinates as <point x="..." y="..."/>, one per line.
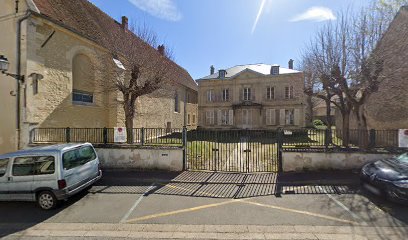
<point x="241" y="94"/>
<point x="231" y="117"/>
<point x="268" y="117"/>
<point x="219" y="118"/>
<point x="253" y="97"/>
<point x="282" y="117"/>
<point x="272" y="113"/>
<point x="297" y="117"/>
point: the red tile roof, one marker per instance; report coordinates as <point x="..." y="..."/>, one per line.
<point x="89" y="21"/>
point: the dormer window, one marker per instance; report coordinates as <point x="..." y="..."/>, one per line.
<point x="275" y="70"/>
<point x="222" y="74"/>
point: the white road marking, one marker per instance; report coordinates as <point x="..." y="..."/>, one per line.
<point x="343" y="206"/>
<point x="124" y="219"/>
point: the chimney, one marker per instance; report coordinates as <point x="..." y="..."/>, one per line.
<point x="125" y="22"/>
<point x="291" y="64"/>
<point x="212" y="69"/>
<point x="160" y="49"/>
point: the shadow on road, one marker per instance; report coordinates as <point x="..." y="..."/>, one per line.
<point x="223" y="185"/>
<point x="18" y="216"/>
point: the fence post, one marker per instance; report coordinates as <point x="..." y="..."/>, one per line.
<point x="105" y="135"/>
<point x="184" y="147"/>
<point x="67" y="135"/>
<point x="372" y="138"/>
<point x="280" y="144"/>
<point x="142" y="136"/>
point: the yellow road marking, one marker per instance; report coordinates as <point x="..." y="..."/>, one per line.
<point x="300" y="212"/>
<point x="181" y="211"/>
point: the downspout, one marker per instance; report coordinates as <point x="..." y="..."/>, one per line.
<point x="185" y="107"/>
<point x="18" y="61"/>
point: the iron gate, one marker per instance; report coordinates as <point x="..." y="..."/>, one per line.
<point x="233" y="151"/>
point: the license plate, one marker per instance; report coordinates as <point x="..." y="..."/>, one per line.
<point x="372" y="189"/>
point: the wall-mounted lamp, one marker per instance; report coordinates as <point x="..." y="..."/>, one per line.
<point x="4" y="66"/>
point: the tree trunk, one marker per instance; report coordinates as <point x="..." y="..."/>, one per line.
<point x="129" y="115"/>
<point x="363" y="140"/>
<point x="345" y="128"/>
<point x="309" y="110"/>
<point x="328" y="119"/>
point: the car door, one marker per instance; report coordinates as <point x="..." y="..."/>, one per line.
<point x="44" y="173"/>
<point x="21" y="179"/>
<point x="79" y="164"/>
<point x="3" y="179"/>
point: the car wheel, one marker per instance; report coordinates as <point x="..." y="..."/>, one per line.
<point x="46" y="200"/>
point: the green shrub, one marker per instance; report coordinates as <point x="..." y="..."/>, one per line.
<point x="318" y="123"/>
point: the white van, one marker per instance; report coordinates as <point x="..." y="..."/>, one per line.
<point x="48" y="174"/>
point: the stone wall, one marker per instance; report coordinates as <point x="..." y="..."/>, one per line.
<point x="8" y="26"/>
<point x="141" y="158"/>
<point x="49" y="50"/>
<point x="308" y="161"/>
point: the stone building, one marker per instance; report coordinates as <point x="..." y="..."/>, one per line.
<point x="387" y="109"/>
<point x="68" y="52"/>
<point x="257" y="96"/>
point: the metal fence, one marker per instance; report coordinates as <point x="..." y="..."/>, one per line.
<point x="232" y="151"/>
<point x="332" y="139"/>
<point x="141" y="136"/>
<point x="328" y="139"/>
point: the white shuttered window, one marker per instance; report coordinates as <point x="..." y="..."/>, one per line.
<point x="209" y="114"/>
<point x="270" y="117"/>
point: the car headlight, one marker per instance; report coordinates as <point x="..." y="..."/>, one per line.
<point x="401" y="184"/>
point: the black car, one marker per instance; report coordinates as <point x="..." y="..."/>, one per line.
<point x="387" y="177"/>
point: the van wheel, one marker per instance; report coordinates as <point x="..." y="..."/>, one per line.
<point x="46" y="200"/>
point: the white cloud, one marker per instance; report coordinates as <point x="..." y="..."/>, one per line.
<point x="164" y="9"/>
<point x="317" y="14"/>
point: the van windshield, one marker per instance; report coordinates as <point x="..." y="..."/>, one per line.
<point x="78" y="157"/>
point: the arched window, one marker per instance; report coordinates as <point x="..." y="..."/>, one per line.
<point x="83" y="80"/>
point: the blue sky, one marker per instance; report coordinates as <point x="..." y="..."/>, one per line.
<point x="225" y="33"/>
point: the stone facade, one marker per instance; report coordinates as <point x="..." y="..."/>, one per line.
<point x="57" y="53"/>
<point x="248" y="104"/>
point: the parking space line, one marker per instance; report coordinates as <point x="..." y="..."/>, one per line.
<point x="164" y="214"/>
<point x="340" y="204"/>
<point x="136" y="203"/>
<point x="300" y="212"/>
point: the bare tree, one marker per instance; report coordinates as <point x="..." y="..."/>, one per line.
<point x="146" y="68"/>
<point x="148" y="35"/>
<point x="344" y="62"/>
<point x="327" y="57"/>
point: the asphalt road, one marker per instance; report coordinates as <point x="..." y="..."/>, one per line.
<point x="211" y="199"/>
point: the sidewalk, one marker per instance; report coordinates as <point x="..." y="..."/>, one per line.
<point x="163" y="231"/>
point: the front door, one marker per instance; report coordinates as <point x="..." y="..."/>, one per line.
<point x="3" y="179"/>
<point x="21" y="179"/>
<point x="246" y="118"/>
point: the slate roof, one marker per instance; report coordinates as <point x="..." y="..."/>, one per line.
<point x="261" y="68"/>
<point x="84" y="18"/>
